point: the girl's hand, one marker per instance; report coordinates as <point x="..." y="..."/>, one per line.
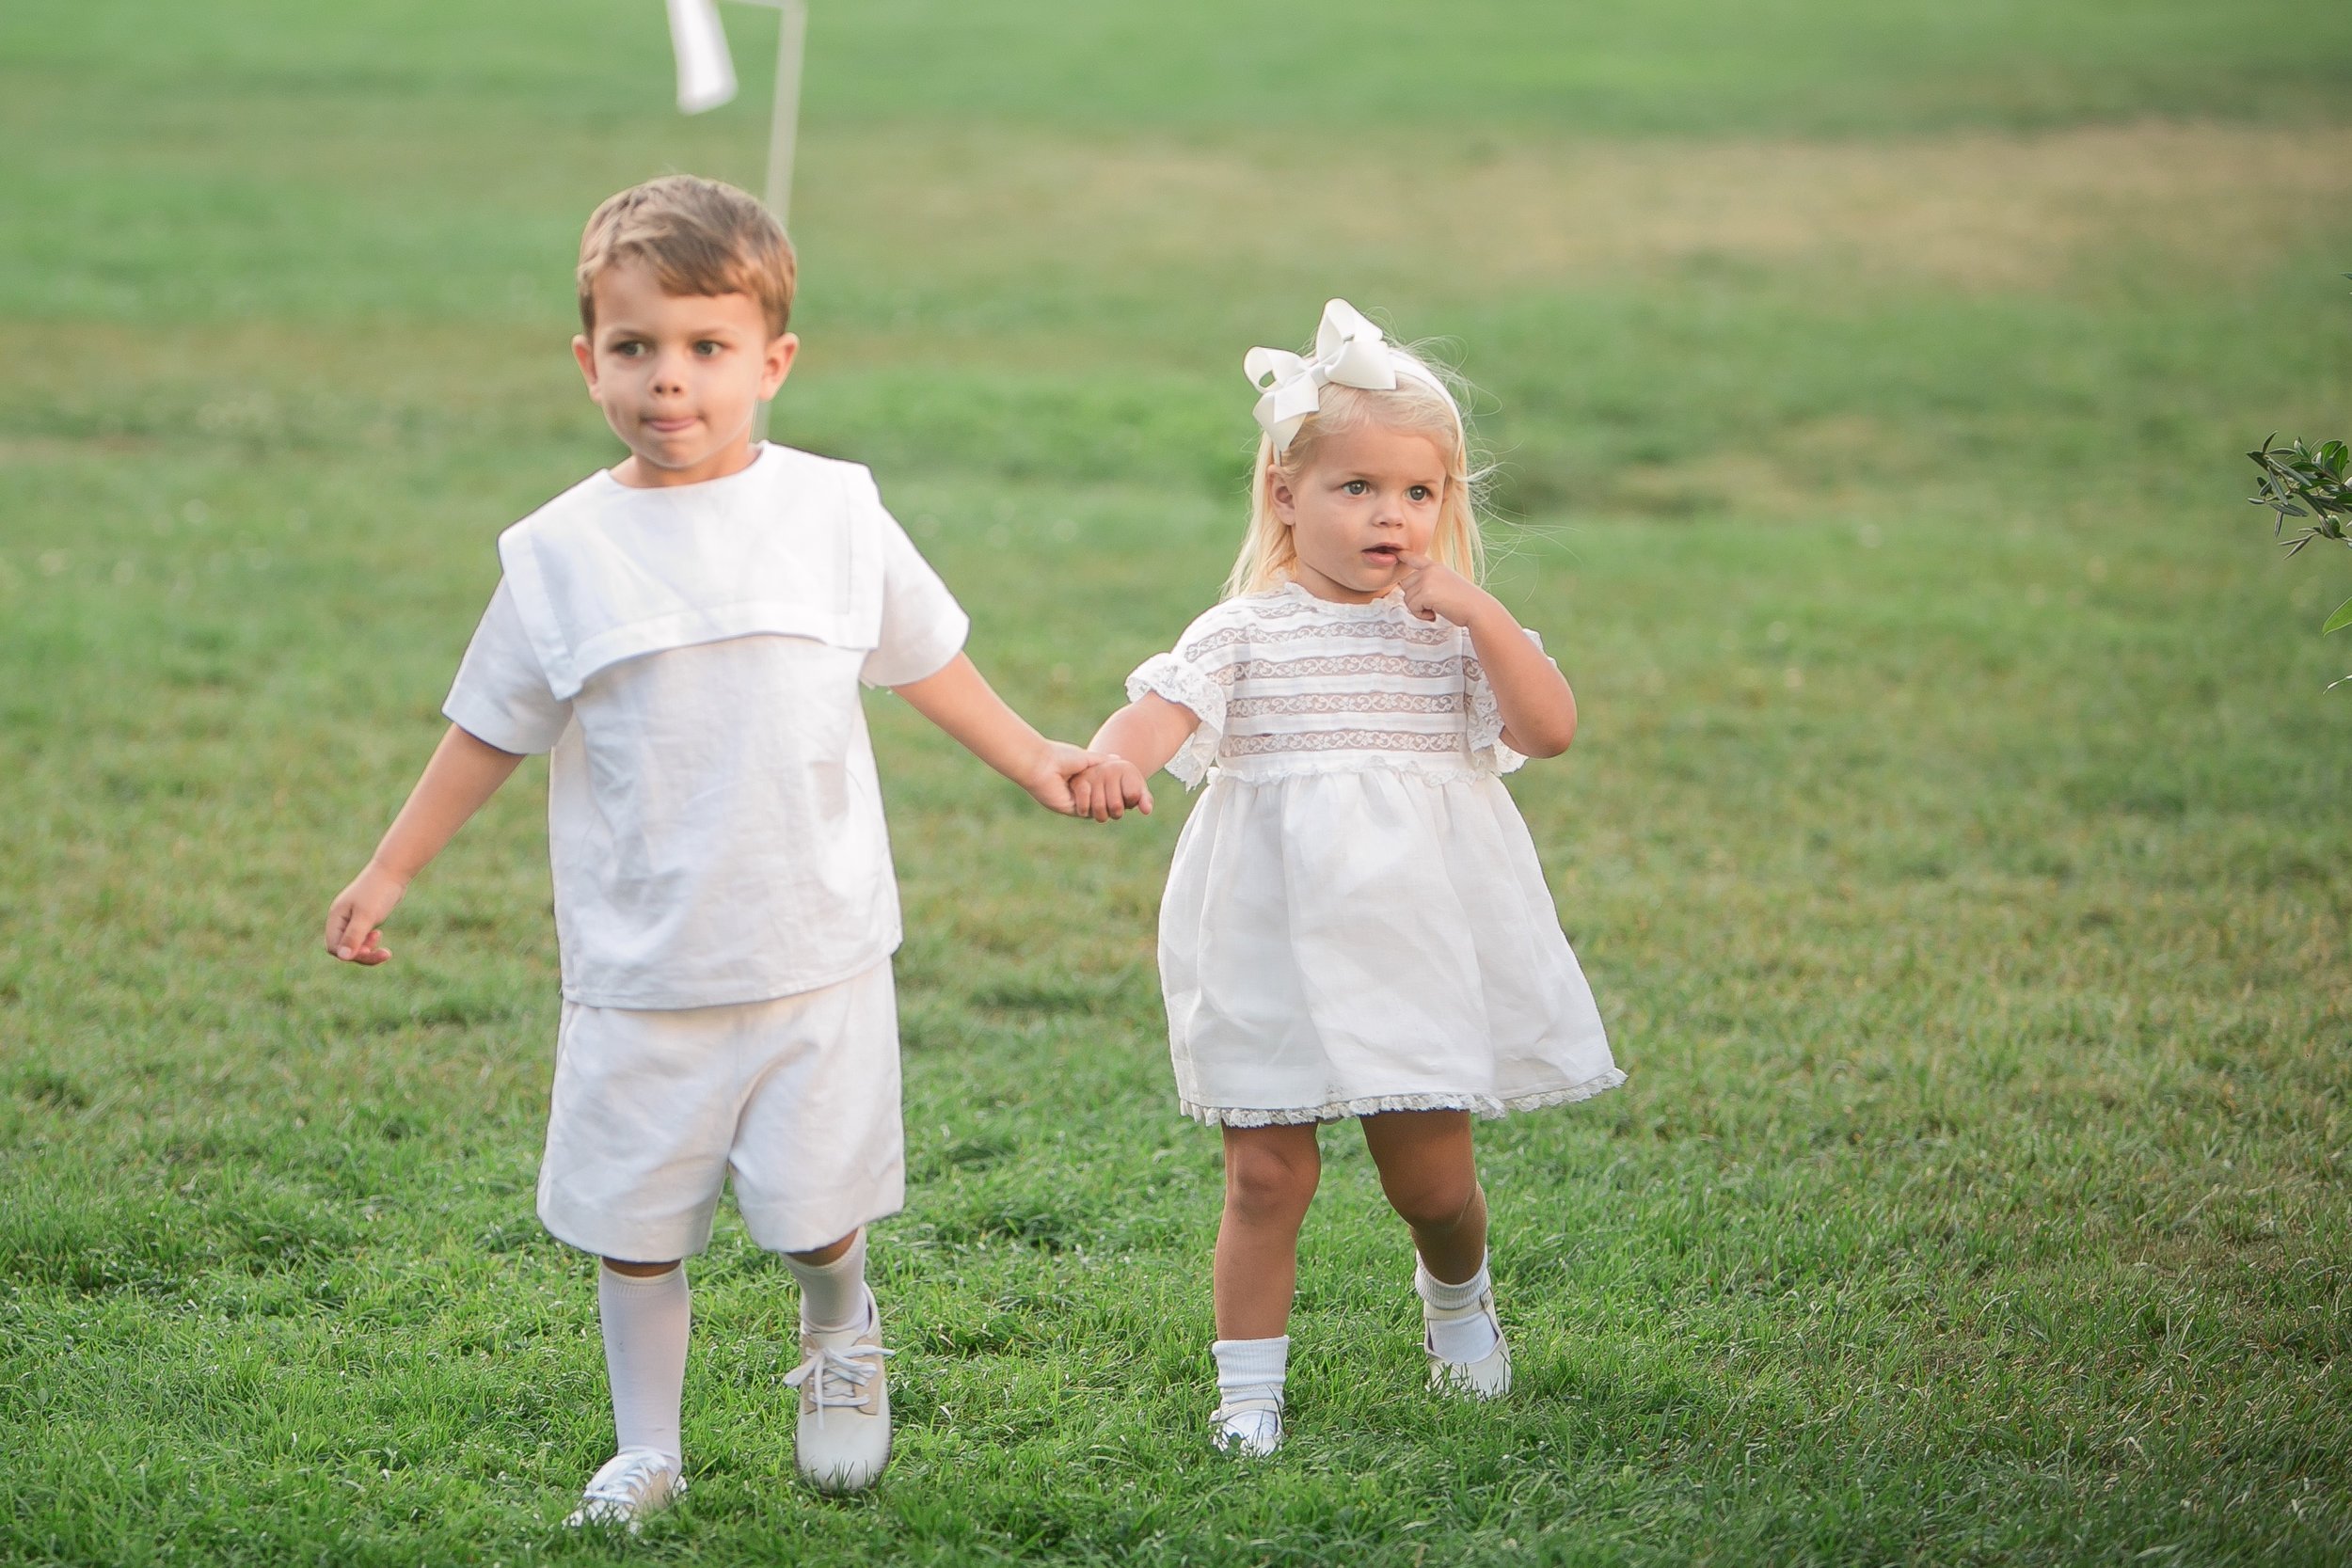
<point x="1109" y="788"/>
<point x="355" y="922"/>
<point x="1432" y="589"/>
<point x="1057" y="769"/>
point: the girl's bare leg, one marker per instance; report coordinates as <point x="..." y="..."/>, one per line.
<point x="1430" y="1174"/>
<point x="1270" y="1176"/>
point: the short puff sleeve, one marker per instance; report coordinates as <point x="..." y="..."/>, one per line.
<point x="1488" y="751"/>
<point x="501" y="696"/>
<point x="1185" y="678"/>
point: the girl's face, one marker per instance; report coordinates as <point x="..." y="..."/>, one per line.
<point x="1367" y="497"/>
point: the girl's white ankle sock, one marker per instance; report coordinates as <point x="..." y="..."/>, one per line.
<point x="1457" y="1330"/>
<point x="646" y="1323"/>
<point x="833" y="1295"/>
<point x="1251" y="1368"/>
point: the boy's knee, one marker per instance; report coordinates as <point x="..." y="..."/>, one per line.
<point x="1269" y="1183"/>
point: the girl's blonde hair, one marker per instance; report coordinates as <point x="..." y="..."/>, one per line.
<point x="1269" y="557"/>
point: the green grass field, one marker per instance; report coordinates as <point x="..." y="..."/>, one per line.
<point x="1956" y="839"/>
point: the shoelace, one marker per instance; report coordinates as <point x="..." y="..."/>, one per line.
<point x="841" y="1374"/>
<point x="626" y="1483"/>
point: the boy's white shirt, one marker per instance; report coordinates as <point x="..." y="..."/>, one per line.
<point x="691" y="657"/>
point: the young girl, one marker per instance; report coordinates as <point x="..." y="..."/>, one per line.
<point x="1355" y="923"/>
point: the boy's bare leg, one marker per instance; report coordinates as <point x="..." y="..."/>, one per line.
<point x="1430" y="1174"/>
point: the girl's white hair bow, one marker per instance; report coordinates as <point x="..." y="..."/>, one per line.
<point x="1349" y="351"/>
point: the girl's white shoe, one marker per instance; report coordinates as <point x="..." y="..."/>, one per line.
<point x="1251" y="1428"/>
<point x="1485" y="1378"/>
<point x="630" y="1485"/>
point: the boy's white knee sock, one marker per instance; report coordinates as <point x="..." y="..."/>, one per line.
<point x="1457" y="1331"/>
<point x="645" y="1324"/>
<point x="1251" y="1368"/>
<point x="833" y="1295"/>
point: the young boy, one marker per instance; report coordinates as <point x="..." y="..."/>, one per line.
<point x="687" y="633"/>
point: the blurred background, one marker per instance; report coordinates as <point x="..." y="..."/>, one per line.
<point x="1954" y="839"/>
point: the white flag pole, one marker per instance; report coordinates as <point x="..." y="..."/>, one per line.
<point x="785" y="122"/>
<point x="784" y="125"/>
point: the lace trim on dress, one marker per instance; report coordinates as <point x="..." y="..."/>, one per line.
<point x="1428" y="634"/>
<point x="1188" y="687"/>
<point x="1342" y="740"/>
<point x="1352" y="664"/>
<point x="1486" y="1105"/>
<point x="1347" y="702"/>
<point x="1314" y="765"/>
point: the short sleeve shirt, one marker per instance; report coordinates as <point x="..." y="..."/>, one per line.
<point x="714" y="817"/>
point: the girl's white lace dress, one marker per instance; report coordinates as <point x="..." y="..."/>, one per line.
<point x="1356" y="921"/>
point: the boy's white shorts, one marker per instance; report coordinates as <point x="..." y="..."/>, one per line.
<point x="797" y="1096"/>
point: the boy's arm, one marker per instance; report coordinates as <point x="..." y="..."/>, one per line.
<point x="463" y="774"/>
<point x="959" y="700"/>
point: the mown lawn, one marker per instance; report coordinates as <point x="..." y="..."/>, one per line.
<point x="1955" y="840"/>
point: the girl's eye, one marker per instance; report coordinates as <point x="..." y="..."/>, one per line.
<point x="1419" y="492"/>
<point x="1355" y="488"/>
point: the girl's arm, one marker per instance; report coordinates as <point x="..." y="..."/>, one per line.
<point x="463" y="774"/>
<point x="1538" y="709"/>
<point x="959" y="700"/>
<point x="1136" y="742"/>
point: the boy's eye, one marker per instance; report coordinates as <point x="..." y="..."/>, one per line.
<point x="629" y="348"/>
<point x="708" y="346"/>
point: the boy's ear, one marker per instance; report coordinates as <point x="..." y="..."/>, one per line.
<point x="584" y="353"/>
<point x="782" y="350"/>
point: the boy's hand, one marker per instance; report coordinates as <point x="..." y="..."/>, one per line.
<point x="1431" y="589"/>
<point x="355" y="922"/>
<point x="1107" y="789"/>
<point x="1049" y="783"/>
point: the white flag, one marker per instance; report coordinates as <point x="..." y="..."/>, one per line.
<point x="706" y="77"/>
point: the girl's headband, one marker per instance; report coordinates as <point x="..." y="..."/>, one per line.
<point x="1349" y="352"/>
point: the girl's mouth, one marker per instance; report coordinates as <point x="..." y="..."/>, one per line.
<point x="1383" y="555"/>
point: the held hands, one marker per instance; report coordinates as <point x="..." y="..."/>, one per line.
<point x="1432" y="589"/>
<point x="1078" y="782"/>
<point x="1108" y="787"/>
<point x="355" y="922"/>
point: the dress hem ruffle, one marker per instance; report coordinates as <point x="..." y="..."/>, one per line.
<point x="1485" y="1105"/>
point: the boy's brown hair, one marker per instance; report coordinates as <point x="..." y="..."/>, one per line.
<point x="699" y="236"/>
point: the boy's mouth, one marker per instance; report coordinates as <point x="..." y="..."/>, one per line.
<point x="672" y="425"/>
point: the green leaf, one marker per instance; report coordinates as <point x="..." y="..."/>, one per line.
<point x="2332" y="457"/>
<point x="2341" y="619"/>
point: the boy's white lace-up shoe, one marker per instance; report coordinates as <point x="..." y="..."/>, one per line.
<point x="630" y="1485"/>
<point x="1486" y="1378"/>
<point x="1251" y="1428"/>
<point x="843" y="1439"/>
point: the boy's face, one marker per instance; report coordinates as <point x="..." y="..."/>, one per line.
<point x="680" y="377"/>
